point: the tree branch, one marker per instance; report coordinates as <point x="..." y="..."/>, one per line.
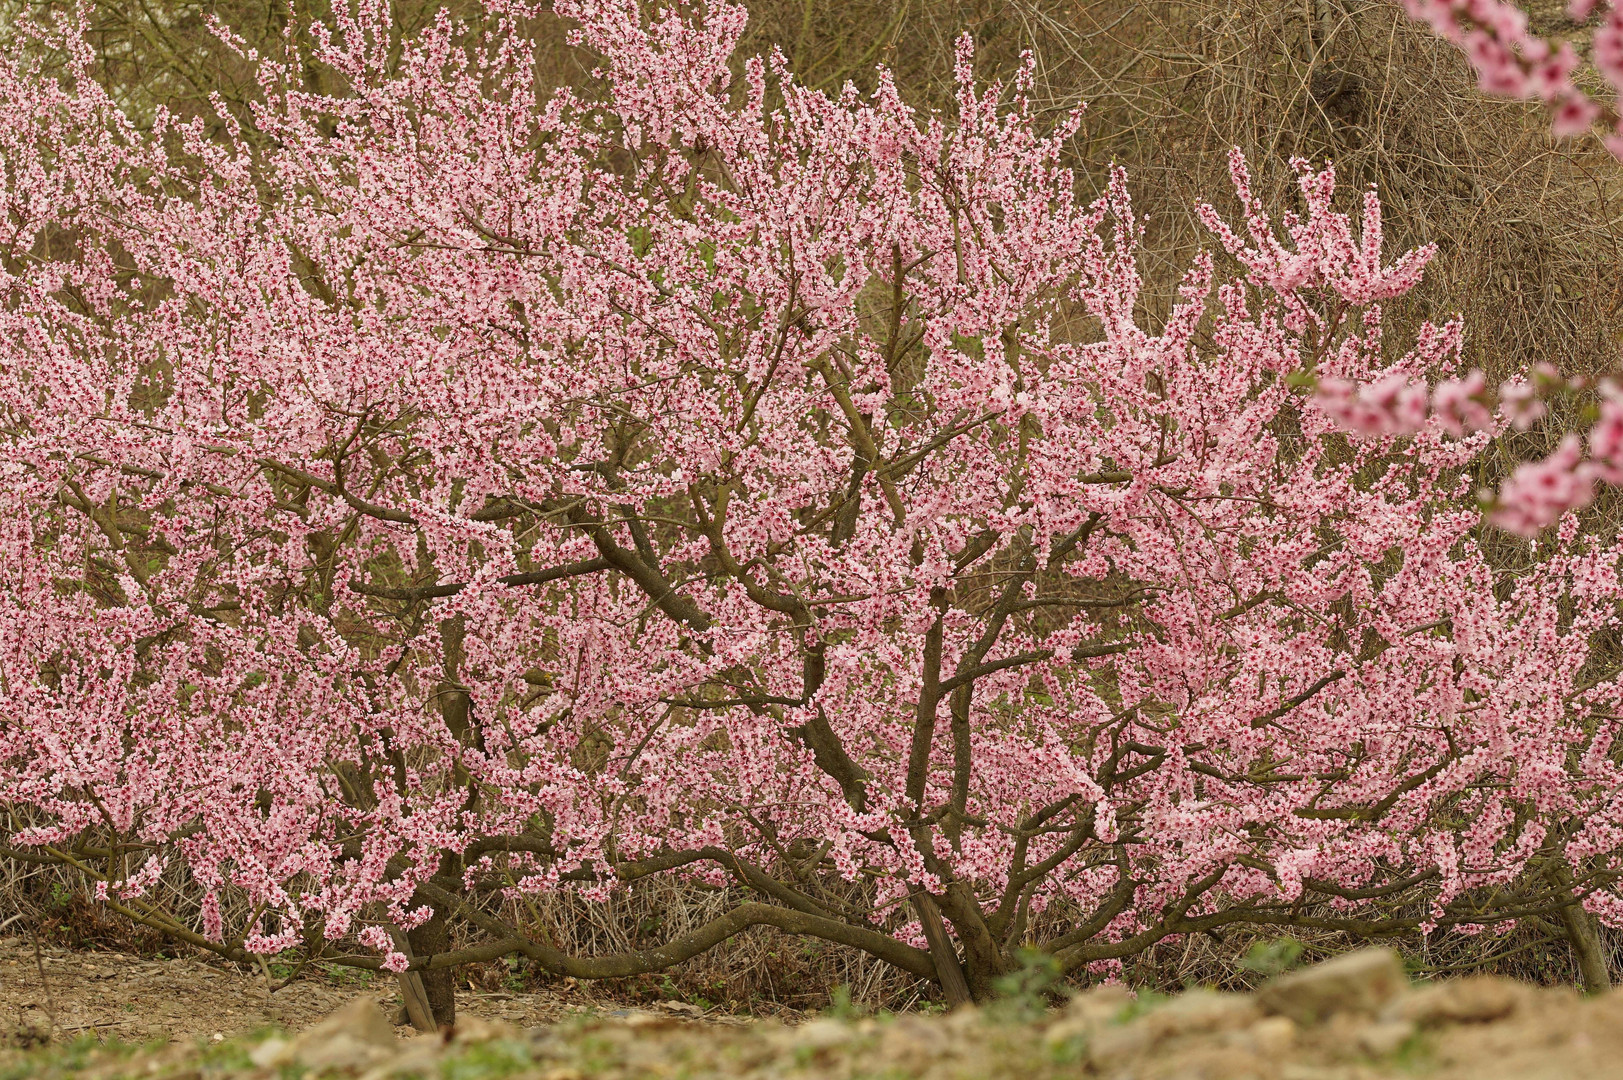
<point x="1291" y="703"/>
<point x="528" y="577"/>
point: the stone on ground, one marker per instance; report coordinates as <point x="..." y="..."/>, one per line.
<point x="1363" y="982"/>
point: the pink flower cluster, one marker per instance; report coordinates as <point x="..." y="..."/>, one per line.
<point x="1398" y="405"/>
<point x="1511" y="61"/>
<point x="1537" y="493"/>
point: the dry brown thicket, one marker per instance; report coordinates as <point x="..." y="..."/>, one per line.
<point x="1530" y="251"/>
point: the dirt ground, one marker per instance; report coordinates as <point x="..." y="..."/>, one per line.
<point x="112" y="995"/>
<point x="1354" y="1018"/>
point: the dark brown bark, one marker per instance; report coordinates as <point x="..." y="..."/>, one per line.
<point x="701" y="939"/>
<point x="415" y="1009"/>
<point x="984" y="960"/>
<point x="948" y="973"/>
<point x="414" y="1005"/>
<point x="439" y="984"/>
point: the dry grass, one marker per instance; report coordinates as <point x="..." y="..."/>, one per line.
<point x="759" y="971"/>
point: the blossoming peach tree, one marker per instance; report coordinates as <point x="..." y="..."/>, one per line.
<point x="449" y="492"/>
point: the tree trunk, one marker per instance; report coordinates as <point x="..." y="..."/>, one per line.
<point x="1584" y="934"/>
<point x="984" y="959"/>
<point x="414" y="1005"/>
<point x="431" y="938"/>
<point x="439" y="984"/>
<point x="416" y="1010"/>
<point x="948" y="973"/>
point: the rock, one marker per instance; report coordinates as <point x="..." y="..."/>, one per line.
<point x="1361" y="982"/>
<point x="911" y="1045"/>
<point x="354" y="1038"/>
<point x="1201" y="1062"/>
<point x="1198" y="1012"/>
<point x="647" y="1021"/>
<point x="959" y="1020"/>
<point x="1295" y="1070"/>
<point x="340" y="1052"/>
<point x="418" y="1057"/>
<point x="473" y="1029"/>
<point x="1385" y="1037"/>
<point x="1064" y="1032"/>
<point x="821" y="1034"/>
<point x="1100" y="1004"/>
<point x="1111" y="1046"/>
<point x="1268" y="1037"/>
<point x="1474" y="1000"/>
<point x="273" y="1053"/>
<point x="1088" y="1011"/>
<point x="27" y="1034"/>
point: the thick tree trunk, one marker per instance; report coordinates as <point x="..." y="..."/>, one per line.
<point x="439" y="984"/>
<point x="948" y="973"/>
<point x="415" y="1009"/>
<point x="414" y="1004"/>
<point x="1584" y="934"/>
<point x="984" y="960"/>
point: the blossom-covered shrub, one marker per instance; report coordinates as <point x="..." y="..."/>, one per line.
<point x="448" y="492"/>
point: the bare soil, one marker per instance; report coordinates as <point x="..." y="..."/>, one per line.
<point x="111" y="995"/>
<point x="1356" y="1018"/>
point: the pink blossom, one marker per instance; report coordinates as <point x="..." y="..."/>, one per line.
<point x="1539" y="492"/>
<point x="1395" y="405"/>
<point x="1519" y="401"/>
<point x="1606" y="437"/>
<point x="1512" y="62"/>
<point x="1574" y="116"/>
